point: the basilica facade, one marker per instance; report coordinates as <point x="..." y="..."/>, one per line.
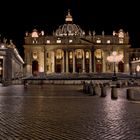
<point x="70" y="50"/>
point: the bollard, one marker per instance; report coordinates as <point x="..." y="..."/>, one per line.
<point x="84" y="86"/>
<point x="126" y="83"/>
<point x="97" y="90"/>
<point x="103" y="91"/>
<point x="90" y="87"/>
<point x="130" y="94"/>
<point x="114" y="94"/>
<point x="87" y="88"/>
<point x="92" y="90"/>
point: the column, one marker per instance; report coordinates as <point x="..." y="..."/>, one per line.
<point x="104" y="61"/>
<point x="73" y="61"/>
<point x="117" y="67"/>
<point x="53" y="62"/>
<point x="90" y="61"/>
<point x="94" y="63"/>
<point x="126" y="62"/>
<point x="45" y="60"/>
<point x="67" y="62"/>
<point x="64" y="62"/>
<point x="83" y="61"/>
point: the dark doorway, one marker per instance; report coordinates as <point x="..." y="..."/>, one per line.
<point x="120" y="66"/>
<point x="35" y="68"/>
<point x="58" y="66"/>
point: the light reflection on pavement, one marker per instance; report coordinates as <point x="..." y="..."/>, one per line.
<point x="57" y="112"/>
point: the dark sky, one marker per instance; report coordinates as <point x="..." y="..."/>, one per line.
<point x="18" y="17"/>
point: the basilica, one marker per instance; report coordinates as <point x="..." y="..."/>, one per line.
<point x="71" y="50"/>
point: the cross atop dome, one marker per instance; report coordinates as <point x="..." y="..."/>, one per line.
<point x="68" y="18"/>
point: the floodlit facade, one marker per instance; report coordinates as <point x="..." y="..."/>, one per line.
<point x="134" y="57"/>
<point x="70" y="50"/>
<point x="11" y="63"/>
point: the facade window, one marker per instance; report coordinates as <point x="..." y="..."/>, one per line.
<point x="98" y="41"/>
<point x="138" y="68"/>
<point x="70" y="55"/>
<point x="70" y="41"/>
<point x="48" y="41"/>
<point x="59" y="54"/>
<point x="34" y="55"/>
<point x="121" y="41"/>
<point x="98" y="53"/>
<point x="78" y="54"/>
<point x="34" y="41"/>
<point x="87" y="55"/>
<point x="2" y="46"/>
<point x="121" y="33"/>
<point x="58" y="41"/>
<point x="108" y="41"/>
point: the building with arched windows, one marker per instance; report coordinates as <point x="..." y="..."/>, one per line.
<point x="70" y="50"/>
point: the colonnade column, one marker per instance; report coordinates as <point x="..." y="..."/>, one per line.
<point x="90" y="61"/>
<point x="104" y="59"/>
<point x="67" y="62"/>
<point x="64" y="62"/>
<point x="53" y="65"/>
<point x="126" y="62"/>
<point x="45" y="71"/>
<point x="93" y="62"/>
<point x="28" y="61"/>
<point x="73" y="61"/>
<point x="83" y="62"/>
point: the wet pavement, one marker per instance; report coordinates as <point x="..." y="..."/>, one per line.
<point x="64" y="112"/>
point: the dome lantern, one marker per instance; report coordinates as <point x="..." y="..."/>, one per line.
<point x="68" y="18"/>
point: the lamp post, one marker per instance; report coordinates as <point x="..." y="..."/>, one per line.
<point x="114" y="58"/>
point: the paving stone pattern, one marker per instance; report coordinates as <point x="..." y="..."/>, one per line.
<point x="55" y="112"/>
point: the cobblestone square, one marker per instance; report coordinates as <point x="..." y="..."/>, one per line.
<point x="64" y="112"/>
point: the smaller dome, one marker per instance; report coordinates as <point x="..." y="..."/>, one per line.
<point x="34" y="33"/>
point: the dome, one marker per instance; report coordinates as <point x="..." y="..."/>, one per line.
<point x="69" y="29"/>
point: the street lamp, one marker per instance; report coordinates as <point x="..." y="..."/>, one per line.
<point x="114" y="58"/>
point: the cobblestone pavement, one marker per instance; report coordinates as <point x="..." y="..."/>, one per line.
<point x="66" y="113"/>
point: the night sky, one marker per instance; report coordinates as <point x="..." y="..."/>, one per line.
<point x="19" y="17"/>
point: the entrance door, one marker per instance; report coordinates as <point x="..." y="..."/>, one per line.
<point x="58" y="66"/>
<point x="35" y="68"/>
<point x="99" y="67"/>
<point x="78" y="65"/>
<point x="120" y="66"/>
